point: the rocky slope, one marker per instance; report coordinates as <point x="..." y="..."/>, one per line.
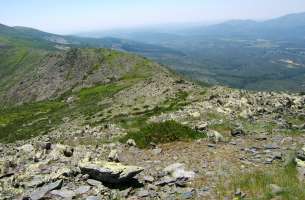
<point x="101" y="124"/>
<point x="252" y="136"/>
<point x="58" y="73"/>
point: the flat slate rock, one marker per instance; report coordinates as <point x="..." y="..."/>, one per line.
<point x="41" y="192"/>
<point x="109" y="172"/>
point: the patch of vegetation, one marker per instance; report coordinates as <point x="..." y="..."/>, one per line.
<point x="163" y="132"/>
<point x="30" y="120"/>
<point x="89" y="98"/>
<point x="26" y="121"/>
<point x="296" y="120"/>
<point x="293" y="132"/>
<point x="139" y="120"/>
<point x="257" y="184"/>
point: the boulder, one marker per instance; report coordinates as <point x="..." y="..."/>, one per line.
<point x="275" y="189"/>
<point x="4" y="167"/>
<point x="156" y="151"/>
<point x="195" y="114"/>
<point x="27" y="148"/>
<point x="301" y="154"/>
<point x="237" y="132"/>
<point x="82" y="190"/>
<point x="113" y="156"/>
<point x="202" y="126"/>
<point x="68" y="151"/>
<point x="109" y="172"/>
<point x="177" y="170"/>
<point x="94" y="183"/>
<point x="215" y="136"/>
<point x="176" y="174"/>
<point x="131" y="142"/>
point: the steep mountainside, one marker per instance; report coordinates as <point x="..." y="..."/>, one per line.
<point x="61" y="72"/>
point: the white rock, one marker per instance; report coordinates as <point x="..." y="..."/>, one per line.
<point x="195" y="114"/>
<point x="177" y="170"/>
<point x="131" y="142"/>
<point x="27" y="148"/>
<point x="215" y="136"/>
<point x="114" y="156"/>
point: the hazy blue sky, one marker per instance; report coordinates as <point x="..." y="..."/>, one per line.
<point x="68" y="16"/>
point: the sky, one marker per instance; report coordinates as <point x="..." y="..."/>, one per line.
<point x="74" y="16"/>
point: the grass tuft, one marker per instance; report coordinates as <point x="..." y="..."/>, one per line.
<point x="163" y="132"/>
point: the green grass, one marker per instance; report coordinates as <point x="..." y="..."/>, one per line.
<point x="89" y="97"/>
<point x="257" y="184"/>
<point x="164" y="132"/>
<point x="24" y="122"/>
<point x="135" y="122"/>
<point x="30" y="120"/>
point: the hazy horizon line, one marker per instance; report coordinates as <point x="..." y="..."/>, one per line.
<point x="155" y="26"/>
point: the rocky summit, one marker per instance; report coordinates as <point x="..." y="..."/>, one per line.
<point x="95" y="124"/>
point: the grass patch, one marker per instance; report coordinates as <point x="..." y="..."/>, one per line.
<point x="138" y="121"/>
<point x="26" y="121"/>
<point x="30" y="120"/>
<point x="257" y="184"/>
<point x="163" y="132"/>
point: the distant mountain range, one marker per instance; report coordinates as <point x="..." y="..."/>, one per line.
<point x="259" y="55"/>
<point x="266" y="55"/>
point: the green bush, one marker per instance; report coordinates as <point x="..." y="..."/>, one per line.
<point x="163" y="132"/>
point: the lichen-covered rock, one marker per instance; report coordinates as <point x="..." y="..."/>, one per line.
<point x="109" y="172"/>
<point x="131" y="142"/>
<point x="113" y="156"/>
<point x="41" y="192"/>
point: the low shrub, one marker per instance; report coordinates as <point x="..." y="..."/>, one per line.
<point x="163" y="132"/>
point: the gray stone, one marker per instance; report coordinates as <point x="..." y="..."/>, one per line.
<point x="211" y="145"/>
<point x="215" y="136"/>
<point x="109" y="172"/>
<point x="275" y="189"/>
<point x="301" y="154"/>
<point x="131" y="142"/>
<point x="64" y="193"/>
<point x="277" y="156"/>
<point x="143" y="193"/>
<point x="94" y="183"/>
<point x="27" y="148"/>
<point x="157" y="151"/>
<point x="237" y="132"/>
<point x="166" y="181"/>
<point x="93" y="198"/>
<point x="113" y="156"/>
<point x="148" y="179"/>
<point x="41" y="192"/>
<point x="82" y="189"/>
<point x="187" y="195"/>
<point x="125" y="193"/>
<point x="177" y="170"/>
<point x="271" y="146"/>
<point x="261" y="137"/>
<point x="268" y="161"/>
<point x="68" y="151"/>
<point x="202" y="126"/>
